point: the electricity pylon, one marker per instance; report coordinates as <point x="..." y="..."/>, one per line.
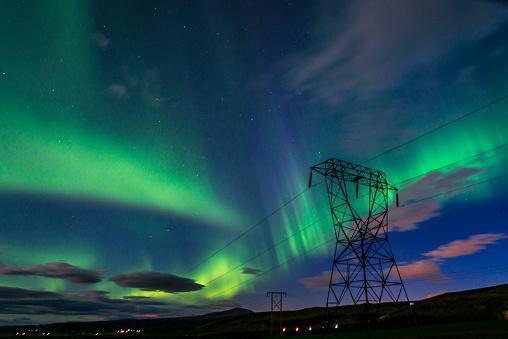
<point x="364" y="267"/>
<point x="276" y="305"/>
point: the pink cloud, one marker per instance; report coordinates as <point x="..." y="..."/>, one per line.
<point x="421" y="269"/>
<point x="439" y="182"/>
<point x="317" y="283"/>
<point x="435" y="294"/>
<point x="407" y="218"/>
<point x="413" y="211"/>
<point x="471" y="245"/>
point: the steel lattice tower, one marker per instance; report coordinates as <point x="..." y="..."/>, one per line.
<point x="364" y="268"/>
<point x="276" y="306"/>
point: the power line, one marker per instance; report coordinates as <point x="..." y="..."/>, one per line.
<point x="268" y="249"/>
<point x="333" y="238"/>
<point x="457" y="189"/>
<point x="498" y="147"/>
<point x="275" y="245"/>
<point x="494" y="270"/>
<point x="276" y="266"/>
<point x="241" y="235"/>
<point x="476" y="110"/>
<point x="263" y="219"/>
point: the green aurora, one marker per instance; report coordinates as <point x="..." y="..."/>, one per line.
<point x="65" y="136"/>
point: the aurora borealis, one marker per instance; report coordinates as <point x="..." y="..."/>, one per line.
<point x="141" y="138"/>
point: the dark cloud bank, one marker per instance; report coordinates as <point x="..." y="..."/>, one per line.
<point x="18" y="301"/>
<point x="58" y="270"/>
<point x="156" y="281"/>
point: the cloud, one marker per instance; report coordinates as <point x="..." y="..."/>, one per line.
<point x="471" y="245"/>
<point x="101" y="40"/>
<point x="147" y="87"/>
<point x="57" y="270"/>
<point x="250" y="270"/>
<point x="375" y="62"/>
<point x="118" y="90"/>
<point x="407" y="218"/>
<point x="377" y="43"/>
<point x="75" y="306"/>
<point x="151" y="88"/>
<point x="429" y="269"/>
<point x="413" y="211"/>
<point x="317" y="283"/>
<point x="421" y="269"/>
<point x="435" y="294"/>
<point x="156" y="281"/>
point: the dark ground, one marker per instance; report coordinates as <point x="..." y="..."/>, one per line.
<point x="480" y="313"/>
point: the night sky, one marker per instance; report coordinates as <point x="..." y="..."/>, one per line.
<point x="147" y="146"/>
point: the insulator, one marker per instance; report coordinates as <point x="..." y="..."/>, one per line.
<point x="397" y="198"/>
<point x="310" y="179"/>
<point x="357" y="188"/>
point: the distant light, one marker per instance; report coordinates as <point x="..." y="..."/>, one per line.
<point x="297" y="329"/>
<point x="96" y="333"/>
<point x="310" y="328"/>
<point x="411" y="303"/>
<point x="336" y="326"/>
<point x="283" y="329"/>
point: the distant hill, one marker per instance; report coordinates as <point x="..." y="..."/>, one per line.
<point x="472" y="305"/>
<point x="147" y="325"/>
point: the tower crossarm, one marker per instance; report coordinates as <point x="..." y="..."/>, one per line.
<point x="351" y="172"/>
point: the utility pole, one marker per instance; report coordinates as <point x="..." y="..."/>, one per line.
<point x="276" y="305"/>
<point x="364" y="268"/>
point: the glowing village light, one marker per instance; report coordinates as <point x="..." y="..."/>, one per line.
<point x="297" y="329"/>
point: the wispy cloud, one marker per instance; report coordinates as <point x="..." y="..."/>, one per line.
<point x="101" y="40"/>
<point x="147" y="87"/>
<point x="151" y="88"/>
<point x="57" y="270"/>
<point x="156" y="281"/>
<point x="407" y="218"/>
<point x="118" y="90"/>
<point x="377" y="43"/>
<point x="471" y="245"/>
<point x="252" y="271"/>
<point x="429" y="268"/>
<point x="372" y="60"/>
<point x="317" y="283"/>
<point x="421" y="269"/>
<point x="435" y="294"/>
